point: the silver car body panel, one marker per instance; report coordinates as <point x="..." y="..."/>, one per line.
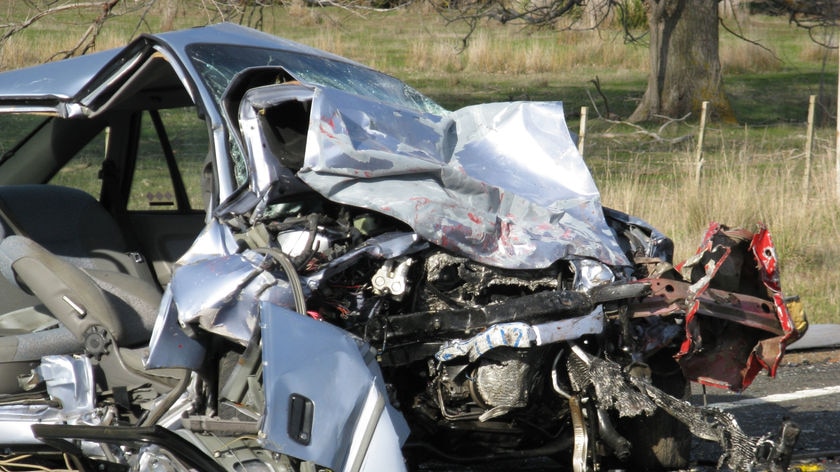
<point x="222" y="294"/>
<point x="70" y="383"/>
<point x="170" y="346"/>
<point x="339" y="374"/>
<point x="52" y="82"/>
<point x="536" y="204"/>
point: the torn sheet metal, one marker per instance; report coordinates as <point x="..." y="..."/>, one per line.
<point x="516" y="335"/>
<point x="69" y="380"/>
<point x="647" y="240"/>
<point x="630" y="395"/>
<point x="571" y="328"/>
<point x="385" y="246"/>
<point x="522" y="335"/>
<point x="725" y="329"/>
<point x="170" y="346"/>
<point x="501" y="183"/>
<point x="71" y="387"/>
<point x="735" y="302"/>
<point x="274" y="143"/>
<point x="222" y="294"/>
<point x="590" y="273"/>
<point x="214" y="240"/>
<point x="740" y="451"/>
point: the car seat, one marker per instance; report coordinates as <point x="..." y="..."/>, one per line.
<point x="92" y="308"/>
<point x="61" y="249"/>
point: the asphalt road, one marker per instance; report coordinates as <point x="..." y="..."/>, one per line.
<point x="806" y="390"/>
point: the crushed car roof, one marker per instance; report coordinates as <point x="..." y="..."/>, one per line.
<point x="58" y="80"/>
<point x="63" y="80"/>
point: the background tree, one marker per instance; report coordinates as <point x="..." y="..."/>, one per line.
<point x="95" y="13"/>
<point x="684" y="60"/>
<point x="821" y="19"/>
<point x="683" y="45"/>
<point x="816" y="16"/>
<point x="683" y="35"/>
<point x="684" y="50"/>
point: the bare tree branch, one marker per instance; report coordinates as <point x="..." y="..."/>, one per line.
<point x="656" y="136"/>
<point x="597" y="82"/>
<point x="815" y="16"/>
<point x="248" y="12"/>
<point x="88" y="39"/>
<point x="15" y="28"/>
<point x="141" y="23"/>
<point x="744" y="38"/>
<point x="594" y="105"/>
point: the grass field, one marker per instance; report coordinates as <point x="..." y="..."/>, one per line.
<point x="753" y="170"/>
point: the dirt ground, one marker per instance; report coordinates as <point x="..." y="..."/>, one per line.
<point x="812" y="357"/>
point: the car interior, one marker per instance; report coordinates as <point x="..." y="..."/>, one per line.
<point x="94" y="212"/>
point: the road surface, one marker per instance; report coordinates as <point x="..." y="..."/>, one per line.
<point x="805" y="390"/>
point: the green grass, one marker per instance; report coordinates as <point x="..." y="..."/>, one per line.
<point x="753" y="170"/>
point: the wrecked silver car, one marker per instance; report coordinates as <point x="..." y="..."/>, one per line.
<point x="283" y="260"/>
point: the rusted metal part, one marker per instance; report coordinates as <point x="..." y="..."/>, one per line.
<point x="737" y="321"/>
<point x="730" y="337"/>
<point x="672" y="297"/>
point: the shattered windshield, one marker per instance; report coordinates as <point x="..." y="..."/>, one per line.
<point x="217" y="64"/>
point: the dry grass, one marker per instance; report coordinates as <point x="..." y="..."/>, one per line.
<point x="44" y="44"/>
<point x="508" y="51"/>
<point x="816" y="53"/>
<point x="744" y="57"/>
<point x="742" y="189"/>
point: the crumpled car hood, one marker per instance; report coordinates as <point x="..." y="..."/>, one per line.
<point x="502" y="184"/>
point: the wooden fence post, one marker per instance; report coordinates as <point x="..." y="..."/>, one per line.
<point x="582" y="133"/>
<point x="809" y="144"/>
<point x="837" y="135"/>
<point x="699" y="158"/>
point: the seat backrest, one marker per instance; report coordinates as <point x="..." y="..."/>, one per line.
<point x="81" y="300"/>
<point x="70" y="224"/>
<point x="66" y="221"/>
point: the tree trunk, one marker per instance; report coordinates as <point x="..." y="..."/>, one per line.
<point x="684" y="61"/>
<point x="169" y="14"/>
<point x="595" y="12"/>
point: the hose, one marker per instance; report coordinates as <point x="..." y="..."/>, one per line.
<point x="167" y="402"/>
<point x="291" y="273"/>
